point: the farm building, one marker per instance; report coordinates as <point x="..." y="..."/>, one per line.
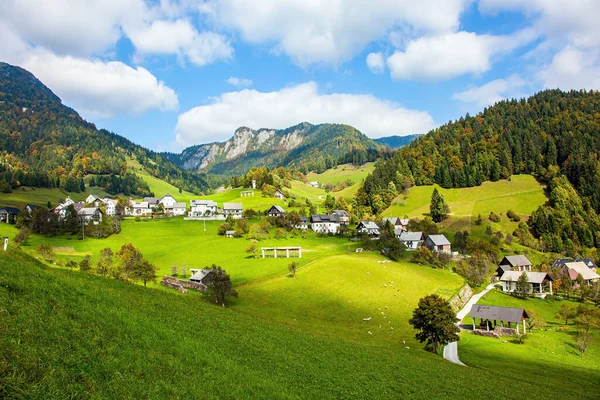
<point x="303" y="224"/>
<point x="275" y="211"/>
<point x="88" y="214"/>
<point x="491" y="315"/>
<point x="279" y="195"/>
<point x="368" y="228"/>
<point x="233" y="209"/>
<point x="540" y="282"/>
<point x="412" y="240"/>
<point x="574" y="269"/>
<point x="93" y="199"/>
<point x="29" y="209"/>
<point x="325" y="223"/>
<point x="8" y="215"/>
<point x="560" y="262"/>
<point x="515" y="263"/>
<point x="179" y="209"/>
<point x="342" y="216"/>
<point x="438" y="243"/>
<point x="400" y="225"/>
<point x="203" y="276"/>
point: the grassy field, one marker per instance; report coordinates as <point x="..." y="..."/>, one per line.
<point x="73" y="335"/>
<point x="159" y="187"/>
<point x="549" y="352"/>
<point x="342" y="173"/>
<point x="331" y="297"/>
<point x="41" y="196"/>
<point x="257" y="202"/>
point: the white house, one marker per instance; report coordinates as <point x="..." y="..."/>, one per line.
<point x="234" y="209"/>
<point x="303" y="224"/>
<point x="325" y="223"/>
<point x="314" y="184"/>
<point x="279" y="194"/>
<point x="412" y="240"/>
<point x="202" y="208"/>
<point x="179" y="209"/>
<point x="580" y="268"/>
<point x="93" y="199"/>
<point x="110" y="205"/>
<point x="369" y="228"/>
<point x="540" y="283"/>
<point x="88" y="214"/>
<point x="167" y="201"/>
<point x="399" y="224"/>
<point x="140" y="208"/>
<point x="342" y="216"/>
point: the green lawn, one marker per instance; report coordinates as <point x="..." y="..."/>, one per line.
<point x="342" y="173"/>
<point x="331" y="297"/>
<point x="72" y="335"/>
<point x="159" y="187"/>
<point x="548" y="354"/>
<point x="303" y="190"/>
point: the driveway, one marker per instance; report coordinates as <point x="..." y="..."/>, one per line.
<point x="451" y="349"/>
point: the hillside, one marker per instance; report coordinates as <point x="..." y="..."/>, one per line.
<point x="305" y="146"/>
<point x="396" y="142"/>
<point x="46" y="144"/>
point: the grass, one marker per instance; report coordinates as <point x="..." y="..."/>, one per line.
<point x="157" y="186"/>
<point x="548" y="354"/>
<point x="257" y="202"/>
<point x="41" y="196"/>
<point x="73" y="335"/>
<point x="333" y="295"/>
<point x="342" y="173"/>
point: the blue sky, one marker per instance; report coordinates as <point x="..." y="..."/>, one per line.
<point x="172" y="73"/>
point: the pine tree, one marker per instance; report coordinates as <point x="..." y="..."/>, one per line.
<point x="438" y="209"/>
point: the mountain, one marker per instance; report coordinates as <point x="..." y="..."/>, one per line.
<point x="304" y="146"/>
<point x="47" y="144"/>
<point x="396" y="142"/>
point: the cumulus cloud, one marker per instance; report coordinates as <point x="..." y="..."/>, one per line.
<point x="100" y="89"/>
<point x="376" y="63"/>
<point x="491" y="92"/>
<point x="572" y="68"/>
<point x="239" y="82"/>
<point x="451" y="55"/>
<point x="180" y="38"/>
<point x="329" y="31"/>
<point x="218" y="120"/>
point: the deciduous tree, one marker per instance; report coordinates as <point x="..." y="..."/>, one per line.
<point x="435" y="321"/>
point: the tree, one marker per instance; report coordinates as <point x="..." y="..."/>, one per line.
<point x="396" y="249"/>
<point x="435" y="321"/>
<point x="293" y="267"/>
<point x="588" y="318"/>
<point x="21" y="237"/>
<point x="105" y="262"/>
<point x="71" y="264"/>
<point x="219" y="285"/>
<point x="130" y="258"/>
<point x="144" y="271"/>
<point x="174" y="270"/>
<point x="582" y="287"/>
<point x="566" y="312"/>
<point x="523" y="287"/>
<point x="86" y="264"/>
<point x="438" y="209"/>
<point x="582" y="341"/>
<point x="46" y="251"/>
<point x="252" y="249"/>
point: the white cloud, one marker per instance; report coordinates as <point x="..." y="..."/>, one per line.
<point x="180" y="38"/>
<point x="314" y="31"/>
<point x="451" y="55"/>
<point x="376" y="63"/>
<point x="491" y="92"/>
<point x="240" y="82"/>
<point x="572" y="68"/>
<point x="218" y="120"/>
<point x="100" y="89"/>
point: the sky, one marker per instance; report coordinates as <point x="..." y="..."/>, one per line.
<point x="168" y="74"/>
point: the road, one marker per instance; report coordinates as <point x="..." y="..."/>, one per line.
<point x="451" y="349"/>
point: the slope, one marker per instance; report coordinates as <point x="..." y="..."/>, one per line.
<point x="75" y="335"/>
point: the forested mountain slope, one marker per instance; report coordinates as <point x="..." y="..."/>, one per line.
<point x="43" y="143"/>
<point x="304" y="146"/>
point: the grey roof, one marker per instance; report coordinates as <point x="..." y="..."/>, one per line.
<point x="411" y="236"/>
<point x="233" y="206"/>
<point x="88" y="211"/>
<point x="78" y="206"/>
<point x="304" y="220"/>
<point x="507" y="314"/>
<point x="439" y="240"/>
<point x="342" y="213"/>
<point x="180" y="205"/>
<point x="278" y="208"/>
<point x="514" y="261"/>
<point x="208" y="203"/>
<point x="369" y="224"/>
<point x="325" y="218"/>
<point x="151" y="200"/>
<point x="231" y="232"/>
<point x="504" y="268"/>
<point x="398" y="230"/>
<point x="198" y="276"/>
<point x="532" y="277"/>
<point x="560" y="262"/>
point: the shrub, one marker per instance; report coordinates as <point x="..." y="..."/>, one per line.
<point x="513" y="216"/>
<point x="494" y="217"/>
<point x="46" y="251"/>
<point x="86" y="264"/>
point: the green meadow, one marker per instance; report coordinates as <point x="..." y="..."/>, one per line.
<point x="158" y="186"/>
<point x="41" y="196"/>
<point x="549" y="352"/>
<point x="342" y="173"/>
<point x="257" y="202"/>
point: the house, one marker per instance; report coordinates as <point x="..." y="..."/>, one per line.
<point x="574" y="269"/>
<point x="8" y="215"/>
<point x="234" y="209"/>
<point x="61" y="208"/>
<point x="368" y="228"/>
<point x="399" y="224"/>
<point x="342" y="216"/>
<point x="489" y="314"/>
<point x="203" y="276"/>
<point x="29" y="209"/>
<point x="314" y="184"/>
<point x="140" y="208"/>
<point x="167" y="201"/>
<point x="540" y="282"/>
<point x="438" y="243"/>
<point x="110" y="206"/>
<point x="93" y="199"/>
<point x="325" y="223"/>
<point x="560" y="262"/>
<point x="230" y="234"/>
<point x="88" y="214"/>
<point x="202" y="208"/>
<point x="152" y="201"/>
<point x="179" y="209"/>
<point x="412" y="240"/>
<point x="303" y="224"/>
<point x="515" y="263"/>
<point x="275" y="211"/>
<point x="279" y="194"/>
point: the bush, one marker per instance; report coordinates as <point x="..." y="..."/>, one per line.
<point x="513" y="216"/>
<point x="86" y="264"/>
<point x="494" y="217"/>
<point x="46" y="251"/>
